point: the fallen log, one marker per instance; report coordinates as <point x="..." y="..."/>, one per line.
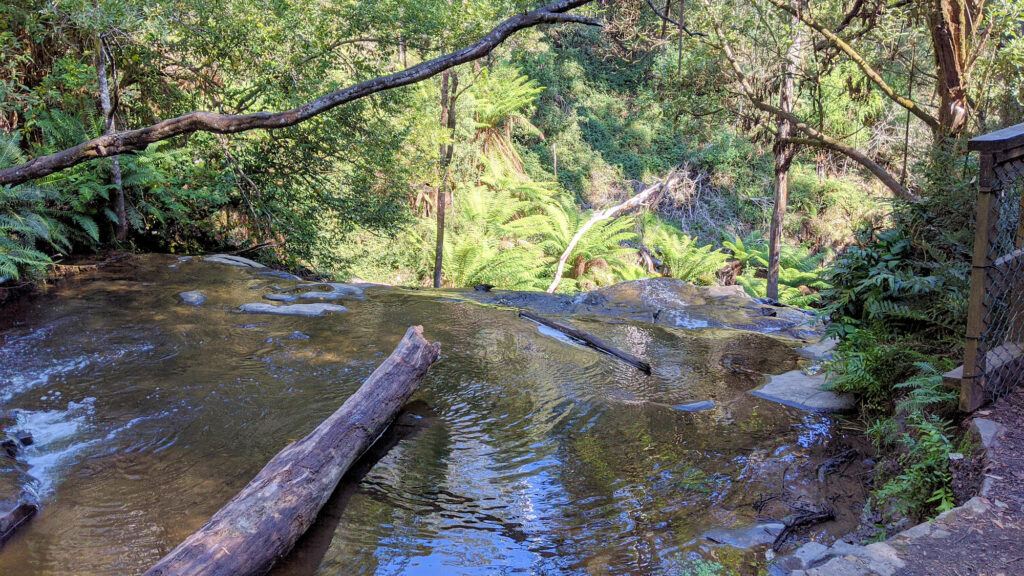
<point x="308" y="553"/>
<point x="589" y="340"/>
<point x="263" y="521"/>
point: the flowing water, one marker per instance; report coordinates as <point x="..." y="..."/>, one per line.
<point x="529" y="454"/>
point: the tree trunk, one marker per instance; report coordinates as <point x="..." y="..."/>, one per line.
<point x="448" y="94"/>
<point x="954" y="26"/>
<point x="784" y="151"/>
<point x="110" y="128"/>
<point x="263" y="521"/>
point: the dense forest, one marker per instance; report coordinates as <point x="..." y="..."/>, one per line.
<point x="813" y="153"/>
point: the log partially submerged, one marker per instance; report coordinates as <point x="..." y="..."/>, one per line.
<point x="263" y="521"/>
<point x="589" y="340"/>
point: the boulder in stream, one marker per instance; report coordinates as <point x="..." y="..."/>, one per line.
<point x="192" y="298"/>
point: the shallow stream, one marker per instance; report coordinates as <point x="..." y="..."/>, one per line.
<point x="525" y="453"/>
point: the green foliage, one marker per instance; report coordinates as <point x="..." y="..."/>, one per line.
<point x="898" y="302"/>
<point x="797" y="267"/>
<point x="33" y="219"/>
<point x="922" y="487"/>
<point x="881" y="282"/>
<point x="503" y="97"/>
<point x="683" y="258"/>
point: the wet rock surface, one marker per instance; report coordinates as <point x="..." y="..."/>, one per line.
<point x="192" y="298"/>
<point x="982" y="536"/>
<point x="668" y="302"/>
<point x="747" y="537"/>
<point x="291" y="309"/>
<point x="17" y="502"/>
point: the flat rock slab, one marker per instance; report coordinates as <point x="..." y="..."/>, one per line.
<point x="329" y="291"/>
<point x="232" y="260"/>
<point x="291" y="309"/>
<point x="805" y="392"/>
<point x="747" y="537"/>
<point x="192" y="298"/>
<point x="820" y="351"/>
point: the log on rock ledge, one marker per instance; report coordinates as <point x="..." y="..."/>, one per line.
<point x="589" y="340"/>
<point x="263" y="521"/>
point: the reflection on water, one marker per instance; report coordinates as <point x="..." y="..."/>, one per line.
<point x="538" y="456"/>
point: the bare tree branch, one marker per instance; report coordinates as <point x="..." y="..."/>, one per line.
<point x="666" y="18"/>
<point x="608" y="213"/>
<point x="136" y="140"/>
<point x="861" y="63"/>
<point x="822" y="139"/>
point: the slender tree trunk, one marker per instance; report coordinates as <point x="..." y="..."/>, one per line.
<point x="784" y="151"/>
<point x="664" y="21"/>
<point x="110" y="128"/>
<point x="449" y="89"/>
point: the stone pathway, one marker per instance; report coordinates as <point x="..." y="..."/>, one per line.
<point x="983" y="537"/>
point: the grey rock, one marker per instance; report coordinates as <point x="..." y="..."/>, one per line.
<point x="747" y="537"/>
<point x="232" y="260"/>
<point x="184" y="258"/>
<point x="297" y="335"/>
<point x="192" y="298"/>
<point x="696" y="406"/>
<point x="335" y="290"/>
<point x="279" y="274"/>
<point x="881" y="558"/>
<point x="281" y="297"/>
<point x="668" y="302"/>
<point x="839" y="567"/>
<point x="805" y="392"/>
<point x="919" y="531"/>
<point x="291" y="309"/>
<point x="821" y="350"/>
<point x="989" y="431"/>
<point x="807" y="556"/>
<point x="812" y="553"/>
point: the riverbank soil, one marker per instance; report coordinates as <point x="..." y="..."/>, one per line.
<point x="987" y="540"/>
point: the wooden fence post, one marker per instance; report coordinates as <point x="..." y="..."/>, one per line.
<point x="972" y="386"/>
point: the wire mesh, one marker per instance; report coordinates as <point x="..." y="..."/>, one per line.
<point x="1000" y="358"/>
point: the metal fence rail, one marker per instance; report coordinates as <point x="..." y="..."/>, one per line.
<point x="994" y="359"/>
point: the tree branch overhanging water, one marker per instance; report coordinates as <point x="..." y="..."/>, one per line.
<point x="136" y="140"/>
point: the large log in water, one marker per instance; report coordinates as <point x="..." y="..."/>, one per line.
<point x="263" y="521"/>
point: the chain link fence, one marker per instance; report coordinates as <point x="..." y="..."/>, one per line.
<point x="994" y="361"/>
